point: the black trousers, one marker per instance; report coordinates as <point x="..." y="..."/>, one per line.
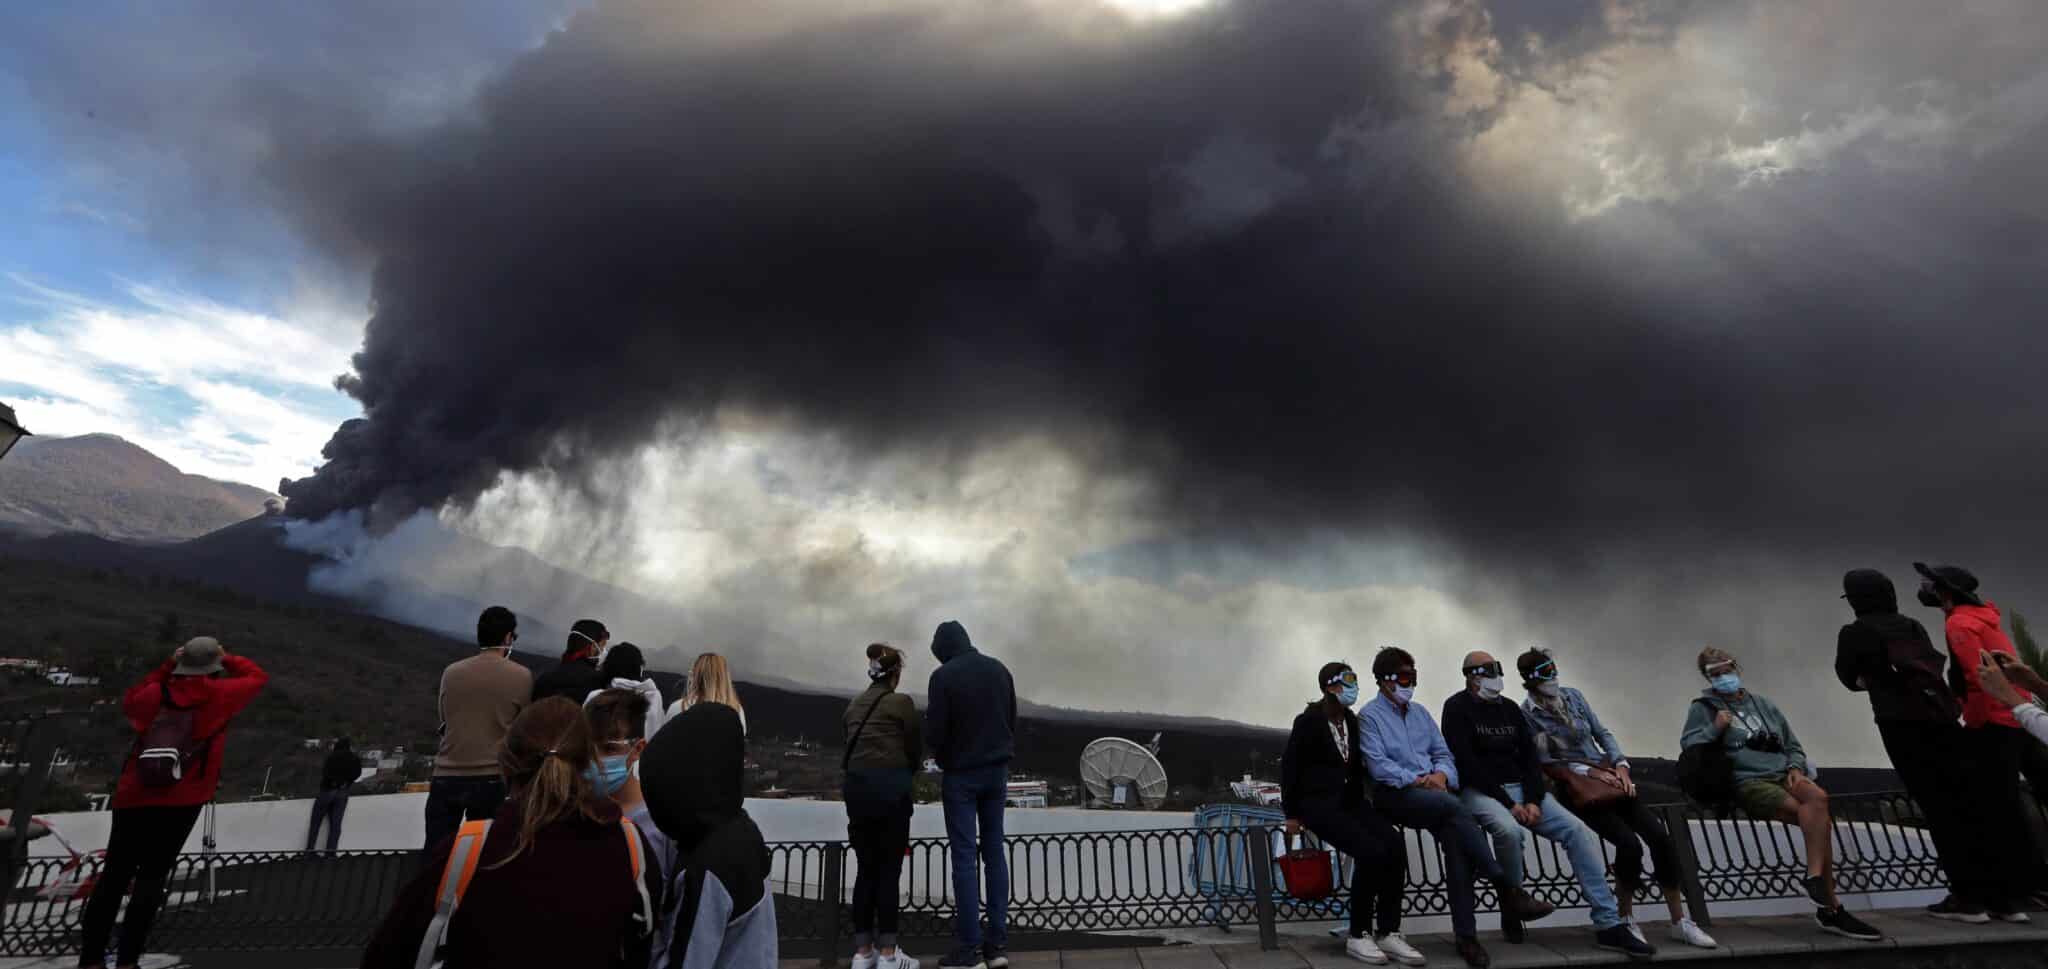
<point x="1628" y="826"/>
<point x="142" y="847"/>
<point x="2000" y="829"/>
<point x="878" y="845"/>
<point x="1379" y="860"/>
<point x="1934" y="762"/>
<point x="451" y="800"/>
<point x="328" y="806"/>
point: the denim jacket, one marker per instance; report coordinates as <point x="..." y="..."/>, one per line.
<point x="1573" y="733"/>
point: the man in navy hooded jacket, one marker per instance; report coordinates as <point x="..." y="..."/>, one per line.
<point x="970" y="727"/>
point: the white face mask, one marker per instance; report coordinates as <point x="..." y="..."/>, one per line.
<point x="1545" y="688"/>
<point x="1490" y="687"/>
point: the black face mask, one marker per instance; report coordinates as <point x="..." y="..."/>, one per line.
<point x="1928" y="598"/>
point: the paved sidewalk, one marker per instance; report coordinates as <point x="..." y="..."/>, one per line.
<point x="1308" y="948"/>
<point x="1740" y="939"/>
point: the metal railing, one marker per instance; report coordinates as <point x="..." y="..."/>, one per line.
<point x="1101" y="881"/>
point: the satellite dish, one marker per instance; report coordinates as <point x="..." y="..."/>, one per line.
<point x="1123" y="774"/>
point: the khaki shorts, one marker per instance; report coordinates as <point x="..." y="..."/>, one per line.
<point x="1763" y="797"/>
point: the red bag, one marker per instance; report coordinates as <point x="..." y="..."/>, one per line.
<point x="1307" y="874"/>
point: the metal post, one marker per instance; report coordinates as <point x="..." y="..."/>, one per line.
<point x="832" y="892"/>
<point x="41" y="748"/>
<point x="1688" y="863"/>
<point x="1259" y="843"/>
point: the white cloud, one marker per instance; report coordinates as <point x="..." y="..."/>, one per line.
<point x="213" y="389"/>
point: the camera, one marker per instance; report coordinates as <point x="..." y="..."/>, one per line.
<point x="1765" y="742"/>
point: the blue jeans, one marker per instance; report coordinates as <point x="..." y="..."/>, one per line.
<point x="975" y="797"/>
<point x="1581" y="845"/>
<point x="1466" y="853"/>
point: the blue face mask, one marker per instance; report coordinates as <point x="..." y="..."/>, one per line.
<point x="609" y="773"/>
<point x="1348" y="695"/>
<point x="1727" y="684"/>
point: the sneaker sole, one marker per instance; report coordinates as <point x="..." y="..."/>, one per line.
<point x="1845" y="933"/>
<point x="1962" y="917"/>
<point x="1631" y="953"/>
<point x="2016" y="918"/>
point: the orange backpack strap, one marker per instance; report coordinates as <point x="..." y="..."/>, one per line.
<point x="635" y="850"/>
<point x="463" y="858"/>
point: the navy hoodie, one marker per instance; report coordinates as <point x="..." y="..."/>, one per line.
<point x="971" y="719"/>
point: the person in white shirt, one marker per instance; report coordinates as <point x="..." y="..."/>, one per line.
<point x="1998" y="674"/>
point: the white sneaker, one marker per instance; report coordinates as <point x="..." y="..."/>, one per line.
<point x="900" y="960"/>
<point x="1364" y="950"/>
<point x="1690" y="933"/>
<point x="869" y="961"/>
<point x="1398" y="949"/>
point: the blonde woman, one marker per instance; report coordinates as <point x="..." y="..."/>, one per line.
<point x="710" y="682"/>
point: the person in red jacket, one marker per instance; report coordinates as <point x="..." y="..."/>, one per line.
<point x="152" y="820"/>
<point x="1995" y="740"/>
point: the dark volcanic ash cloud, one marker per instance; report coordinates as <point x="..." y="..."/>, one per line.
<point x="1273" y="248"/>
<point x="1259" y="333"/>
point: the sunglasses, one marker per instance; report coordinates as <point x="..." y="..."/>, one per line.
<point x="1347" y="678"/>
<point x="1546" y="670"/>
<point x="1400" y="677"/>
<point x="1484" y="669"/>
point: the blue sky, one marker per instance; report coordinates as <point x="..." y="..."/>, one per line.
<point x="103" y="328"/>
<point x="146" y="288"/>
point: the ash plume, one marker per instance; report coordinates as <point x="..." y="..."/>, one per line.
<point x="1258" y="245"/>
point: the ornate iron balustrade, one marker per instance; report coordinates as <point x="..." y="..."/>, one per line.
<point x="1088" y="881"/>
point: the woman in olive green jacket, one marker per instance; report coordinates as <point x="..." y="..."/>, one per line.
<point x="884" y="746"/>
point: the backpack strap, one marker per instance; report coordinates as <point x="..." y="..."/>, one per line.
<point x="635" y="851"/>
<point x="463" y="857"/>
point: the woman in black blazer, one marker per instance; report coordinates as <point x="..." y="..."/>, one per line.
<point x="1322" y="788"/>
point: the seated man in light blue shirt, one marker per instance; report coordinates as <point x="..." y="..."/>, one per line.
<point x="1415" y="785"/>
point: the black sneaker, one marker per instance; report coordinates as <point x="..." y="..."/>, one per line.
<point x="1816" y="889"/>
<point x="996" y="956"/>
<point x="1619" y="939"/>
<point x="1953" y="909"/>
<point x="963" y="959"/>
<point x="1841" y="923"/>
<point x="1510" y="929"/>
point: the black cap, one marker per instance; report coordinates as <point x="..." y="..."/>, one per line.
<point x="1954" y="578"/>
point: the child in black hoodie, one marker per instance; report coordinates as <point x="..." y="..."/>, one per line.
<point x="723" y="915"/>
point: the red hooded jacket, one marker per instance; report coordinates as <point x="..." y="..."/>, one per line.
<point x="1972" y="630"/>
<point x="217" y="699"/>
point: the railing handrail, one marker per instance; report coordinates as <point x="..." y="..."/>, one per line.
<point x="1102" y="880"/>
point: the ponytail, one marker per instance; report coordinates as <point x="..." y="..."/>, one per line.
<point x="546" y="751"/>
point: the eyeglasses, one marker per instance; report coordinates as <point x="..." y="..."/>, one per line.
<point x="1404" y="677"/>
<point x="1546" y="670"/>
<point x="1719" y="668"/>
<point x="1347" y="678"/>
<point x="1484" y="669"/>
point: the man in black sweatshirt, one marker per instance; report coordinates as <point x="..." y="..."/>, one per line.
<point x="970" y="726"/>
<point x="1502" y="780"/>
<point x="1891" y="657"/>
<point x="340" y="771"/>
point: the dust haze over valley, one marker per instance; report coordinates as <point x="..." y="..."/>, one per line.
<point x="1172" y="352"/>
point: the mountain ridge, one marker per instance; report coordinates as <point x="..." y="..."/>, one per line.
<point x="105" y="485"/>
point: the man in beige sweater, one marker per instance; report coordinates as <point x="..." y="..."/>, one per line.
<point x="479" y="697"/>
